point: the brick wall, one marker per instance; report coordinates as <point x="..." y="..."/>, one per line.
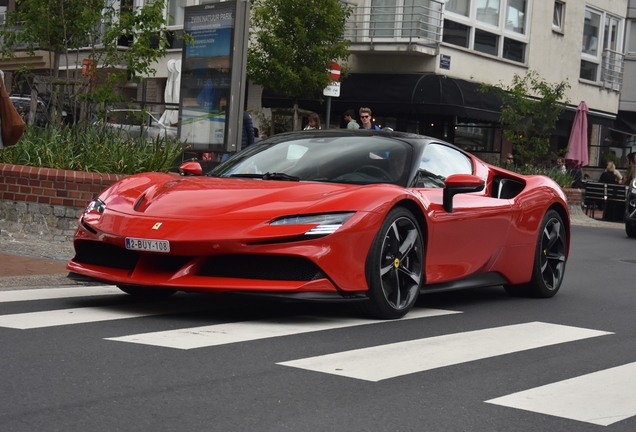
<point x="574" y="196"/>
<point x="44" y="202"/>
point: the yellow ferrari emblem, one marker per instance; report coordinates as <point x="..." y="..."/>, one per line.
<point x="157" y="225"/>
<point x="396" y="263"/>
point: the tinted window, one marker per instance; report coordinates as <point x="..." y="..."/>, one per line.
<point x="440" y="161"/>
<point x="350" y="159"/>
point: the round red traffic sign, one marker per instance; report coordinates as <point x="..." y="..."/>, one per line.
<point x="334" y="71"/>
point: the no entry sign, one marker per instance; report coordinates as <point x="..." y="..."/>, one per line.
<point x="334" y="71"/>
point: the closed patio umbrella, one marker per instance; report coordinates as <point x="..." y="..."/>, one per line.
<point x="577" y="144"/>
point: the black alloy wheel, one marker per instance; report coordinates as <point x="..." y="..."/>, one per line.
<point x="549" y="261"/>
<point x="395" y="266"/>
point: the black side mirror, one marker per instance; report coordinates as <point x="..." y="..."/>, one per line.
<point x="460" y="183"/>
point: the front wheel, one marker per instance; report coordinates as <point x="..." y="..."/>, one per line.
<point x="630" y="229"/>
<point x="395" y="266"/>
<point x="549" y="259"/>
<point x="146" y="292"/>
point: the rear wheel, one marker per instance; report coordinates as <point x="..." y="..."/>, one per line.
<point x="395" y="266"/>
<point x="146" y="292"/>
<point x="549" y="260"/>
<point x="630" y="229"/>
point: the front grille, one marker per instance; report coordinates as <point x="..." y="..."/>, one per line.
<point x="105" y="255"/>
<point x="266" y="267"/>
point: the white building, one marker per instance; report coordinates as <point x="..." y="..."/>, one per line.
<point x="418" y="65"/>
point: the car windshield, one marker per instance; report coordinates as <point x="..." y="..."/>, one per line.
<point x="336" y="159"/>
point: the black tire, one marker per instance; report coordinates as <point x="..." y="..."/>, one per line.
<point x="146" y="292"/>
<point x="630" y="229"/>
<point x="395" y="266"/>
<point x="549" y="260"/>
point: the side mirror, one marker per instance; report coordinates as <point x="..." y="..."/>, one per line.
<point x="460" y="183"/>
<point x="190" y="169"/>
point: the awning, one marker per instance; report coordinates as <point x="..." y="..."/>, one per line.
<point x="625" y="122"/>
<point x="398" y="95"/>
<point x="593" y="116"/>
<point x="404" y="94"/>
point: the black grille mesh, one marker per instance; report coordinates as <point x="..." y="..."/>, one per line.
<point x="267" y="267"/>
<point x="105" y="255"/>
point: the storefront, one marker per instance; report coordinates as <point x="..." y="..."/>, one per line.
<point x="452" y="109"/>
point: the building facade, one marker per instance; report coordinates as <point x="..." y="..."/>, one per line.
<point x="418" y="64"/>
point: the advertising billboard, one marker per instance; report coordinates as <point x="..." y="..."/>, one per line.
<point x="206" y="80"/>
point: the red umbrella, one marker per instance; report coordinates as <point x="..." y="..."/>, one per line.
<point x="577" y="145"/>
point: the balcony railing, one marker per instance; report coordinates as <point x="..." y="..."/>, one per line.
<point x="612" y="69"/>
<point x="410" y="25"/>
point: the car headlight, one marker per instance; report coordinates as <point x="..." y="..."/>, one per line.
<point x="633" y="185"/>
<point x="326" y="223"/>
<point x="95" y="206"/>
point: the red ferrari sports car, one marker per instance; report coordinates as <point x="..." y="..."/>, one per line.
<point x="371" y="217"/>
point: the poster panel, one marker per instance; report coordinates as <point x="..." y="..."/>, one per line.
<point x="206" y="74"/>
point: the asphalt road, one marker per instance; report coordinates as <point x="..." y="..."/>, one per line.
<point x="105" y="362"/>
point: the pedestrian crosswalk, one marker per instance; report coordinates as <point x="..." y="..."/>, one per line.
<point x="602" y="397"/>
<point x="424" y="354"/>
<point x="221" y="334"/>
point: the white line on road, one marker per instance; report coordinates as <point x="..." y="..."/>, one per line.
<point x="56" y="293"/>
<point x="61" y="317"/>
<point x="403" y="358"/>
<point x="600" y="398"/>
<point x="220" y="334"/>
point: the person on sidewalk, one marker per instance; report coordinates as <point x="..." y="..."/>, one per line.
<point x="366" y="119"/>
<point x="351" y="122"/>
<point x="314" y="122"/>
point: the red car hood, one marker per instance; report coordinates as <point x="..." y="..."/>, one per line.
<point x="168" y="196"/>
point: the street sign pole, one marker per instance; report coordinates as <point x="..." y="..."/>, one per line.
<point x="333" y="89"/>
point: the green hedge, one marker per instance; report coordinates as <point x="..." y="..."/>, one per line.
<point x="92" y="148"/>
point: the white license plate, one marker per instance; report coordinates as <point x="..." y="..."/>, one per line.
<point x="147" y="245"/>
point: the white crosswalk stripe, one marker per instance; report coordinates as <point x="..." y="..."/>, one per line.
<point x="220" y="334"/>
<point x="370" y="364"/>
<point x="32" y="320"/>
<point x="57" y="293"/>
<point x="600" y="398"/>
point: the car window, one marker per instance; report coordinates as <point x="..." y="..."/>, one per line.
<point x="440" y="161"/>
<point x="355" y="159"/>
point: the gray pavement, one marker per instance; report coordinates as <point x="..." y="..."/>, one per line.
<point x="29" y="262"/>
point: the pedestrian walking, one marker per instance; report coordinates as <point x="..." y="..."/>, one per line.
<point x="351" y="122"/>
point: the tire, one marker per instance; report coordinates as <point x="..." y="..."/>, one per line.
<point x="549" y="260"/>
<point x="146" y="292"/>
<point x="630" y="229"/>
<point x="395" y="266"/>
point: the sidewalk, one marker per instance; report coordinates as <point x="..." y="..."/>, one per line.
<point x="27" y="262"/>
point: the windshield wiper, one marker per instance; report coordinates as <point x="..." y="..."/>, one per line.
<point x="279" y="176"/>
<point x="268" y="176"/>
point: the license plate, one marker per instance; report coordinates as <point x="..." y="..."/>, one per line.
<point x="147" y="245"/>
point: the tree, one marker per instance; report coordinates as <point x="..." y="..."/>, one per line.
<point x="529" y="112"/>
<point x="293" y="42"/>
<point x="73" y="24"/>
